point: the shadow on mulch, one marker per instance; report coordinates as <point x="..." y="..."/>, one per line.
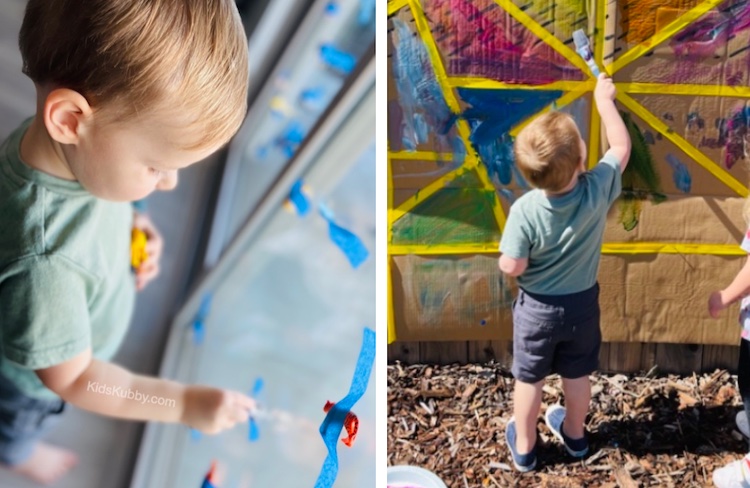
<point x="662" y="429"/>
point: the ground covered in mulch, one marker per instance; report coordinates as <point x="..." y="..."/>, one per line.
<point x="645" y="430"/>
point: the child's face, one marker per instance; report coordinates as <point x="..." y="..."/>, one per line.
<point x="126" y="161"/>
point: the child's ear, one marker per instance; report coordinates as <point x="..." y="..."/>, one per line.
<point x="65" y="112"/>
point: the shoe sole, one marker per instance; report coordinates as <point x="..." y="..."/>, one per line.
<point x="558" y="434"/>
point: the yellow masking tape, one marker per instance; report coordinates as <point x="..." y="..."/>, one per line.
<point x="595" y="131"/>
<point x="420" y="156"/>
<point x="543" y="34"/>
<point x="700" y="158"/>
<point x="486" y="83"/>
<point x="432" y="249"/>
<point x="668" y="31"/>
<point x="396" y="5"/>
<point x="607" y="248"/>
<point x="391" y="320"/>
<point x="672" y="248"/>
<point x="601" y="11"/>
<point x="696" y="90"/>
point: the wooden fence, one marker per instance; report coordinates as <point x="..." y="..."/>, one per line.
<point x="615" y="357"/>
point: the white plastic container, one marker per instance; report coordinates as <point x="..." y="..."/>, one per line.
<point x="412" y="476"/>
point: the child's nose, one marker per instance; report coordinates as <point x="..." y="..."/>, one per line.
<point x="168" y="181"/>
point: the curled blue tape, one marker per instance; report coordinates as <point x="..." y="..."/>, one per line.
<point x="331" y="427"/>
<point x="299" y="199"/>
<point x="351" y="245"/>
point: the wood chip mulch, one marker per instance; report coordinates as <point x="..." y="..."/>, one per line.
<point x="645" y="430"/>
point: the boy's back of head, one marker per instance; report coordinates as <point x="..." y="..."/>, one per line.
<point x="548" y="151"/>
<point x="131" y="57"/>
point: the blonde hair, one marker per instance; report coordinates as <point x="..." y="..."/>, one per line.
<point x="548" y="151"/>
<point x="139" y="54"/>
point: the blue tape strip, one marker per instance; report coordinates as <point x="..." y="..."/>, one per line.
<point x="254" y="432"/>
<point x="337" y="59"/>
<point x="349" y="243"/>
<point x="331" y="427"/>
<point x="199" y="329"/>
<point x="298" y="199"/>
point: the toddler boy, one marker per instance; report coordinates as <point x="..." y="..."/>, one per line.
<point x="552" y="243"/>
<point x="128" y="93"/>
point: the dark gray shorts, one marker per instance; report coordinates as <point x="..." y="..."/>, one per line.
<point x="23" y="421"/>
<point x="556" y="334"/>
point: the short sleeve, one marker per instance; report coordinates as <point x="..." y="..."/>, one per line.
<point x="515" y="241"/>
<point x="45" y="318"/>
<point x="746" y="242"/>
<point x="607" y="177"/>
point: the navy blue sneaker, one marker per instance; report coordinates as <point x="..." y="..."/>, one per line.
<point x="554" y="418"/>
<point x="523" y="462"/>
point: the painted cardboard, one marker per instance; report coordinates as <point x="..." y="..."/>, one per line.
<point x="651" y="297"/>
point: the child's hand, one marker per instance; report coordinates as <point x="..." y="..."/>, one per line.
<point x="149" y="269"/>
<point x="715" y="304"/>
<point x="212" y="410"/>
<point x="605" y="89"/>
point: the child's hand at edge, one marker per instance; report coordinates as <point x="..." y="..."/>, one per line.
<point x="715" y="304"/>
<point x="212" y="410"/>
<point x="149" y="269"/>
<point x="605" y="89"/>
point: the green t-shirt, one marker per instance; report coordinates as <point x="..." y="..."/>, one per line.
<point x="562" y="235"/>
<point x="65" y="279"/>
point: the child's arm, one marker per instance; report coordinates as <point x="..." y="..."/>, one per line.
<point x="513" y="266"/>
<point x="720" y="300"/>
<point x="104" y="388"/>
<point x="617" y="134"/>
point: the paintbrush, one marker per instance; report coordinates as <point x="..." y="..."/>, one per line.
<point x="583" y="48"/>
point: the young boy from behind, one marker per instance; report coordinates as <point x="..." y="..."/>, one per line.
<point x="128" y="93"/>
<point x="552" y="243"/>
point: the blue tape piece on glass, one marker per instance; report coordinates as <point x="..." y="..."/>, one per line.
<point x="337" y="59"/>
<point x="298" y="199"/>
<point x="254" y="432"/>
<point x="350" y="244"/>
<point x="199" y="329"/>
<point x="195" y="435"/>
<point x="331" y="427"/>
<point x="332" y="8"/>
<point x="366" y="11"/>
<point x="208" y="484"/>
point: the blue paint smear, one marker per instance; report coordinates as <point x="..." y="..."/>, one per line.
<point x="290" y="138"/>
<point x="299" y="199"/>
<point x="208" y="484"/>
<point x="680" y="174"/>
<point x="199" y="329"/>
<point x="508" y="195"/>
<point x="418" y="91"/>
<point x="459" y="150"/>
<point x="421" y="129"/>
<point x="337" y="59"/>
<point x="195" y="435"/>
<point x="351" y="245"/>
<point x="331" y="427"/>
<point x="366" y="12"/>
<point x="491" y="115"/>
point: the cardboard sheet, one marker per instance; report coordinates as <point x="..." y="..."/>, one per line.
<point x="673" y="236"/>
